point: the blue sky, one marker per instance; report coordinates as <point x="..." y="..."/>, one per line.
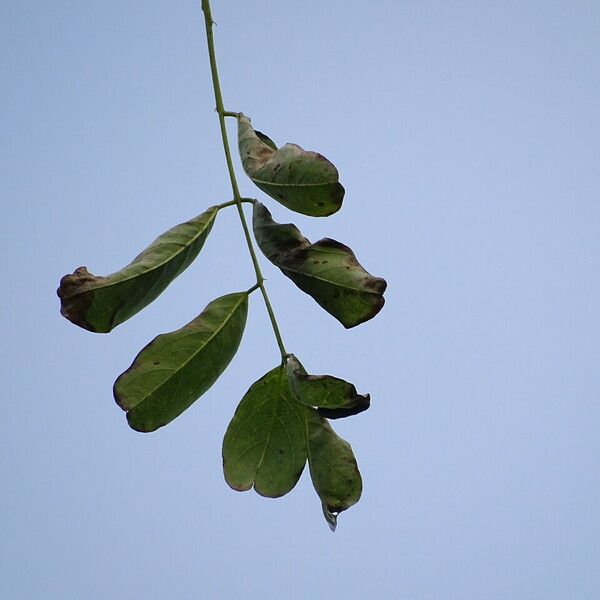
<point x="466" y="136"/>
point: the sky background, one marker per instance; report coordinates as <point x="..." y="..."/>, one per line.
<point x="466" y="136"/>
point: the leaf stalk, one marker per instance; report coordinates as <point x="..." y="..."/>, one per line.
<point x="234" y="203"/>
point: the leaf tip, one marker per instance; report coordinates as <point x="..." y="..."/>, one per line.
<point x="377" y="304"/>
<point x="142" y="425"/>
<point x="337" y="197"/>
<point x="330" y="516"/>
<point x="234" y="484"/>
<point x="76" y="298"/>
<point x="117" y="394"/>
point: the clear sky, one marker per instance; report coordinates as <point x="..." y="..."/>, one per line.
<point x="466" y="136"/>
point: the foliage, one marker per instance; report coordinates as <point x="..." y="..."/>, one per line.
<point x="281" y="422"/>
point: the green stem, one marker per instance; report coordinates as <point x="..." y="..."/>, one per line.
<point x="234" y="203"/>
<point x="253" y="288"/>
<point x="234" y="186"/>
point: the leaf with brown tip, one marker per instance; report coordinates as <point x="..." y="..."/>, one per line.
<point x="326" y="270"/>
<point x="303" y="181"/>
<point x="99" y="303"/>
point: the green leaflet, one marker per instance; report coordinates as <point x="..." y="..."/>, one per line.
<point x="334" y="398"/>
<point x="303" y="181"/>
<point x="176" y="368"/>
<point x="101" y="303"/>
<point x="326" y="270"/>
<point x="265" y="444"/>
<point x="333" y="468"/>
<point x="270" y="438"/>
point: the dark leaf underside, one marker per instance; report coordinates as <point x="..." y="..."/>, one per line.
<point x="326" y="270"/>
<point x="334" y="398"/>
<point x="303" y="181"/>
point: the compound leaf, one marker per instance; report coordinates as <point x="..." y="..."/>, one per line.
<point x="176" y="368"/>
<point x="265" y="444"/>
<point x="303" y="181"/>
<point x="334" y="398"/>
<point x="333" y="468"/>
<point x="326" y="270"/>
<point x="99" y="303"/>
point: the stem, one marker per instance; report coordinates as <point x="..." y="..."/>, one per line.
<point x="237" y="199"/>
<point x="234" y="203"/>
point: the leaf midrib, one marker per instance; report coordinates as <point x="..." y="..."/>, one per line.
<point x="311" y="248"/>
<point x="158" y="266"/>
<point x="278" y="399"/>
<point x="261" y="181"/>
<point x="347" y="287"/>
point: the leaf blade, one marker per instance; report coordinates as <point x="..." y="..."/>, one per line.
<point x="264" y="446"/>
<point x="333" y="468"/>
<point x="326" y="270"/>
<point x="175" y="369"/>
<point x="100" y="303"/>
<point x="333" y="398"/>
<point x="301" y="180"/>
